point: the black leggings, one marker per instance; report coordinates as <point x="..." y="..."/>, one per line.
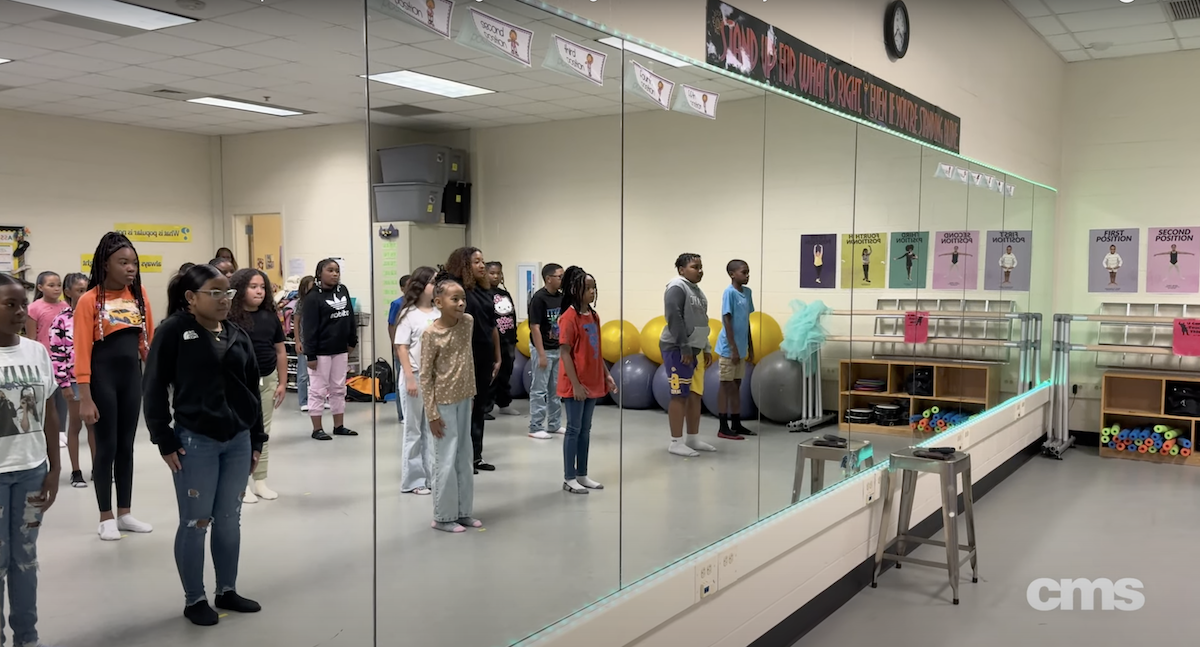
<point x="117" y="391"/>
<point x="499" y="390"/>
<point x="483" y="383"/>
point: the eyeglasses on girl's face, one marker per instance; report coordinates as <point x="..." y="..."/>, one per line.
<point x="219" y="295"/>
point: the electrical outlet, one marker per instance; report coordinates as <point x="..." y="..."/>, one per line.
<point x="871" y="488"/>
<point x="729" y="567"/>
<point x="1020" y="410"/>
<point x="706" y="578"/>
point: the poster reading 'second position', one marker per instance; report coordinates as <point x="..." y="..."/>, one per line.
<point x="818" y="261"/>
<point x="956" y="260"/>
<point x="909" y="259"/>
<point x="864" y="260"/>
<point x="1113" y="260"/>
<point x="1007" y="264"/>
<point x="1172" y="264"/>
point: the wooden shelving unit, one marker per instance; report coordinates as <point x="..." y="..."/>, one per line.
<point x="1138" y="399"/>
<point x="963" y="386"/>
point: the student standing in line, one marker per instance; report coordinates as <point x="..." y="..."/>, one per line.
<point x="62" y="357"/>
<point x="113" y="329"/>
<point x="393" y="321"/>
<point x="224" y="254"/>
<point x="253" y="310"/>
<point x="506" y="325"/>
<point x="734" y="348"/>
<point x="225" y="266"/>
<point x="29" y="457"/>
<point x="330" y="333"/>
<point x="204" y="413"/>
<point x="583" y="379"/>
<point x="467" y="267"/>
<point x="685" y="352"/>
<point x="447" y="387"/>
<point x="416" y="315"/>
<point x="47" y="305"/>
<point x="545" y="307"/>
<point x="306" y="285"/>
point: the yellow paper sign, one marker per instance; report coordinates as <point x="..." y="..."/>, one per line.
<point x="143" y="233"/>
<point x="151" y="264"/>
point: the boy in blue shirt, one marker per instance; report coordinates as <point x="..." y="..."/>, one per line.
<point x="735" y="349"/>
<point x="393" y="323"/>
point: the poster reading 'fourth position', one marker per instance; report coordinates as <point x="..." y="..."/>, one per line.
<point x="864" y="260"/>
<point x="1113" y="260"/>
<point x="956" y="260"/>
<point x="1172" y="264"/>
<point x="1008" y="254"/>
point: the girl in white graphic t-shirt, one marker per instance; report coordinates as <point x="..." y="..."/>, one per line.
<point x="416" y="315"/>
<point x="1112" y="263"/>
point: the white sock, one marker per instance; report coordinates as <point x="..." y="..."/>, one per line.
<point x="108" y="530"/>
<point x="693" y="441"/>
<point x="248" y="496"/>
<point x="264" y="492"/>
<point x="589" y="483"/>
<point x="127" y="522"/>
<point x="575" y="486"/>
<point x="680" y="448"/>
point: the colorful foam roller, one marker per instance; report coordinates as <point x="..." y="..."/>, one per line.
<point x="1185" y="452"/>
<point x="1174" y="451"/>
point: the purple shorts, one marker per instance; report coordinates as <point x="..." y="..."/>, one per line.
<point x="679" y="375"/>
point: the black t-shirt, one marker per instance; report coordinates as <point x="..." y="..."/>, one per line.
<point x="482" y="308"/>
<point x="265" y="331"/>
<point x="544" y="310"/>
<point x="506" y="316"/>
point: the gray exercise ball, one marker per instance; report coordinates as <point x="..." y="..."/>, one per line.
<point x="777" y="388"/>
<point x="634" y="376"/>
<point x="662" y="388"/>
<point x="712" y="390"/>
<point x="516" y="385"/>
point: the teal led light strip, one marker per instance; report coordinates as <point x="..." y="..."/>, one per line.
<point x="712" y="68"/>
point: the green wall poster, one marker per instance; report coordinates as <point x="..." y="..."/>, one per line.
<point x="909" y="258"/>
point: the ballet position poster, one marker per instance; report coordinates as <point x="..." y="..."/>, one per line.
<point x="864" y="260"/>
<point x="1113" y="260"/>
<point x="1172" y="264"/>
<point x="909" y="258"/>
<point x="1007" y="264"/>
<point x="956" y="260"/>
<point x="818" y="261"/>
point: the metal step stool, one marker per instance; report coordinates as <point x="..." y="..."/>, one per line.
<point x="855" y="457"/>
<point x="948" y="471"/>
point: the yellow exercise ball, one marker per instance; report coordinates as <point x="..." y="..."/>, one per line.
<point x="619" y="339"/>
<point x="651" y="333"/>
<point x="523" y="337"/>
<point x="714" y="331"/>
<point x="766" y="334"/>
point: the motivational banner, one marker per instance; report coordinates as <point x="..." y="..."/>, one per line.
<point x="1171" y="260"/>
<point x="1185" y="342"/>
<point x="572" y="58"/>
<point x="1008" y="254"/>
<point x="150" y="263"/>
<point x="956" y="260"/>
<point x="695" y="101"/>
<point x="741" y="43"/>
<point x="817" y="252"/>
<point x="910" y="259"/>
<point x="658" y="89"/>
<point x="864" y="258"/>
<point x="1113" y="260"/>
<point x="141" y="233"/>
<point x="434" y="15"/>
<point x="916" y="327"/>
<point x="494" y="36"/>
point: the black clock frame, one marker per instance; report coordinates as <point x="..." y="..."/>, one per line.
<point x="889" y="29"/>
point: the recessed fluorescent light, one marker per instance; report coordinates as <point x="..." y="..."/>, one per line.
<point x="242" y="105"/>
<point x="613" y="41"/>
<point x="121" y="13"/>
<point x="426" y="83"/>
<point x="5" y="60"/>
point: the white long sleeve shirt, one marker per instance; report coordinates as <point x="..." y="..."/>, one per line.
<point x="1112" y="262"/>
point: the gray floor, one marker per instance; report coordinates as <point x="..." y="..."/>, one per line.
<point x="308" y="556"/>
<point x="1084" y="517"/>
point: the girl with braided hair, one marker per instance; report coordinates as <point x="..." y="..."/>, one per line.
<point x="112" y="333"/>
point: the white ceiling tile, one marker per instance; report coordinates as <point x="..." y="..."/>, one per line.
<point x="212" y="8"/>
<point x="1126" y="35"/>
<point x="43" y="72"/>
<point x="499" y="64"/>
<point x="120" y="54"/>
<point x="1115" y="17"/>
<point x="586" y="102"/>
<point x="1190" y="43"/>
<point x="270" y="20"/>
<point x="251" y="79"/>
<point x="96" y="105"/>
<point x="155" y="111"/>
<point x="457" y="71"/>
<point x="288" y="73"/>
<point x="63" y="109"/>
<point x="337" y="13"/>
<point x="16" y="52"/>
<point x="166" y="44"/>
<point x="17" y="80"/>
<point x="14" y="102"/>
<point x="548" y="93"/>
<point x="1137" y="49"/>
<point x="1063" y="42"/>
<point x="449" y="49"/>
<point x="75" y="62"/>
<point x="105" y="81"/>
<point x="12" y="12"/>
<point x="567" y="116"/>
<point x="540" y="108"/>
<point x="341" y="39"/>
<point x="403" y="57"/>
<point x="400" y="32"/>
<point x="489" y="113"/>
<point x="1030" y="8"/>
<point x="281" y="48"/>
<point x="549" y="77"/>
<point x="1075" y="55"/>
<point x="1047" y="25"/>
<point x="508" y="83"/>
<point x="129" y="98"/>
<point x="216" y="33"/>
<point x="499" y="99"/>
<point x="117" y="116"/>
<point x="1073" y="6"/>
<point x="520" y="120"/>
<point x="448" y="105"/>
<point x="32" y="94"/>
<point x="189" y="67"/>
<point x="75" y="32"/>
<point x="22" y="35"/>
<point x="69" y="88"/>
<point x="615" y="109"/>
<point x="236" y="59"/>
<point x="146" y="75"/>
<point x="212" y="86"/>
<point x="1187" y="28"/>
<point x="209" y="118"/>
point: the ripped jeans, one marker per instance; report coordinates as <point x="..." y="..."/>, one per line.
<point x="19" y="524"/>
<point x="209" y="492"/>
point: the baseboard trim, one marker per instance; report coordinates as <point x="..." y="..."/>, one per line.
<point x="807" y="617"/>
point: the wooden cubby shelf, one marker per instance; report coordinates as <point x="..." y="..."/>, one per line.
<point x="961" y="386"/>
<point x="1134" y="399"/>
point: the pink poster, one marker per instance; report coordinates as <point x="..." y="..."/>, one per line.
<point x="1186" y="340"/>
<point x="1172" y="261"/>
<point x="916" y="327"/>
<point x="956" y="260"/>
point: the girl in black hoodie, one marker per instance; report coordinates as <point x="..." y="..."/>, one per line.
<point x="204" y="412"/>
<point x="327" y="324"/>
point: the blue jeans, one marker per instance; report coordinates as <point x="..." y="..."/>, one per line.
<point x="579" y="436"/>
<point x="19" y="524"/>
<point x="417" y="449"/>
<point x="544" y="402"/>
<point x="397" y="375"/>
<point x="209" y="492"/>
<point x="453" y="472"/>
<point x="302" y="379"/>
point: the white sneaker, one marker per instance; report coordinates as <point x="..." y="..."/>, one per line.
<point x="700" y="445"/>
<point x="561" y="430"/>
<point x="327" y="406"/>
<point x="508" y="411"/>
<point x="681" y="449"/>
<point x="540" y="435"/>
<point x="128" y="523"/>
<point x="108" y="530"/>
<point x="248" y="496"/>
<point x="304" y="408"/>
<point x="264" y="492"/>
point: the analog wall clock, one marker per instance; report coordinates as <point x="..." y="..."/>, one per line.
<point x="897" y="29"/>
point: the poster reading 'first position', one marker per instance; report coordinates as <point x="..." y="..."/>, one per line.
<point x="864" y="260"/>
<point x="1113" y="260"/>
<point x="1008" y="254"/>
<point x="1172" y="264"/>
<point x="956" y="260"/>
<point x="909" y="259"/>
<point x="818" y="261"/>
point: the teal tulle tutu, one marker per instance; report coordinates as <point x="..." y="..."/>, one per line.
<point x="803" y="334"/>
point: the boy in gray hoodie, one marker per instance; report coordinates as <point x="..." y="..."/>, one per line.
<point x="685" y="352"/>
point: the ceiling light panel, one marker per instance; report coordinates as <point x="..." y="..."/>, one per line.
<point x="634" y="48"/>
<point x="243" y="105"/>
<point x="428" y="84"/>
<point x="121" y="13"/>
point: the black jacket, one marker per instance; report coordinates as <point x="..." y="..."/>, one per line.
<point x="212" y="396"/>
<point x="327" y="322"/>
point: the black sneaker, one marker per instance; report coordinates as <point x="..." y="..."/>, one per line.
<point x="231" y="601"/>
<point x="343" y="431"/>
<point x="77" y="479"/>
<point x="484" y="467"/>
<point x="321" y="435"/>
<point x="201" y="614"/>
<point x="488" y="416"/>
<point x="744" y="432"/>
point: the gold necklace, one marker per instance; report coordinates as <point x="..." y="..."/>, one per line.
<point x="217" y="333"/>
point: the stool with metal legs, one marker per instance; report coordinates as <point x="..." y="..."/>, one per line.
<point x="856" y="456"/>
<point x="948" y="470"/>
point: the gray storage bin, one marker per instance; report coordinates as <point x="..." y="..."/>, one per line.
<point x="458" y="166"/>
<point x="426" y="163"/>
<point x="408" y="202"/>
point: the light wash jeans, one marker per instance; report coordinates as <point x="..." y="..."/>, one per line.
<point x="209" y="489"/>
<point x="453" y="473"/>
<point x="397" y="378"/>
<point x="578" y="438"/>
<point x="302" y="379"/>
<point x="417" y="452"/>
<point x="19" y="525"/>
<point x="544" y="402"/>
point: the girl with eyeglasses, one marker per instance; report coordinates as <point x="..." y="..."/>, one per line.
<point x="204" y="411"/>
